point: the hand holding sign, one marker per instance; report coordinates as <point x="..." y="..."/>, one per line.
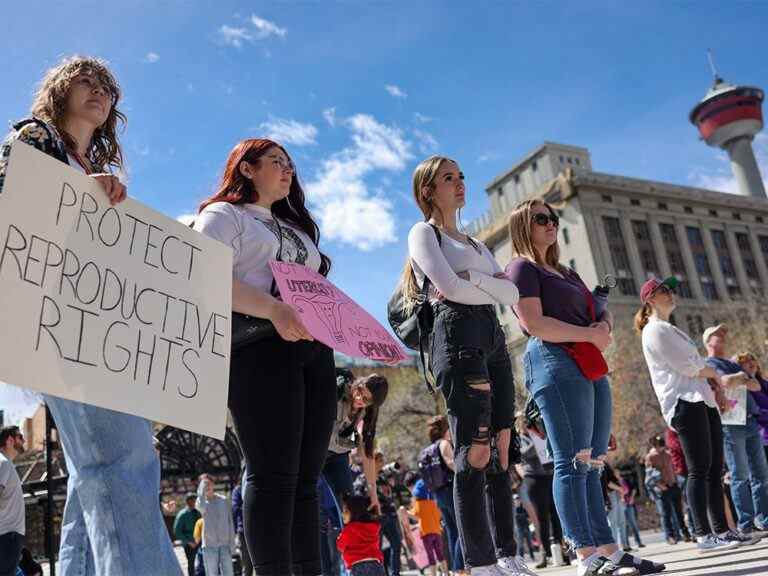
<point x="332" y="317"/>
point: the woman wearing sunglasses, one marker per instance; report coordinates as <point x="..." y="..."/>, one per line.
<point x="556" y="310"/>
<point x="689" y="405"/>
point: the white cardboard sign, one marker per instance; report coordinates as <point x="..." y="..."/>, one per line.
<point x="115" y="306"/>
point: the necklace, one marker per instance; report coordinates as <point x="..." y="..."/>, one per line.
<point x="82" y="162"/>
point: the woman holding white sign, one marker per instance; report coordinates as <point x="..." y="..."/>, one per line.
<point x="470" y="363"/>
<point x="112" y="522"/>
<point x="282" y="387"/>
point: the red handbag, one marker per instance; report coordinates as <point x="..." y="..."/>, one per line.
<point x="587" y="356"/>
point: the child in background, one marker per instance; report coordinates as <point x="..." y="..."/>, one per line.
<point x="359" y="540"/>
<point x="198" y="536"/>
<point x="425" y="510"/>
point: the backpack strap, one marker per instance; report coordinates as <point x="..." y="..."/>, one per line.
<point x="424" y="301"/>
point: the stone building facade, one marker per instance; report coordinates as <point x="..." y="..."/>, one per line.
<point x="715" y="243"/>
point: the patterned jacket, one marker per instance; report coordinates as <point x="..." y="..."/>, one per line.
<point x="34" y="132"/>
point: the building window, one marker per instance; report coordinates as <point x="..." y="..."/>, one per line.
<point x="710" y="293"/>
<point x="713" y="212"/>
<point x="645" y="247"/>
<point x="534" y="166"/>
<point x="663" y="206"/>
<point x="675" y="257"/>
<point x="619" y="256"/>
<point x="688" y="209"/>
<point x="561" y="160"/>
<point x="517" y="178"/>
<point x="577" y="162"/>
<point x="736" y="216"/>
<point x="695" y="325"/>
<point x="566" y="236"/>
<point x="759" y="219"/>
<point x="696" y="240"/>
<point x="726" y="263"/>
<point x="750" y="264"/>
<point x="570" y="160"/>
<point x="607" y="198"/>
<point x="634" y="202"/>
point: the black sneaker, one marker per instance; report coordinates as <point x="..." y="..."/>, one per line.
<point x="643" y="566"/>
<point x="602" y="566"/>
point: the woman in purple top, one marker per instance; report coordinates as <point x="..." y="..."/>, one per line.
<point x="554" y="309"/>
<point x="751" y="366"/>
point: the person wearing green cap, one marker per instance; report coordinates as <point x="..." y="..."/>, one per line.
<point x="690" y="406"/>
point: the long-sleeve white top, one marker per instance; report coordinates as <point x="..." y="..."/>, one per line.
<point x="441" y="261"/>
<point x="674" y="363"/>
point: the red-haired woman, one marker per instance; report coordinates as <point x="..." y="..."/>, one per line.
<point x="282" y="389"/>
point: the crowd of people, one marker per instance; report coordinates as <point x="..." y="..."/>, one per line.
<point x="316" y="496"/>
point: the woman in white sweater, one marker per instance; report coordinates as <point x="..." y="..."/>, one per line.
<point x="689" y="404"/>
<point x="469" y="359"/>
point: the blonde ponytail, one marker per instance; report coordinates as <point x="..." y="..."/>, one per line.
<point x="641" y="318"/>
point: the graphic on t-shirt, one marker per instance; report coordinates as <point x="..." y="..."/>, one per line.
<point x="294" y="249"/>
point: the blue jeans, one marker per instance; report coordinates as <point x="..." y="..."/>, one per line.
<point x="745" y="457"/>
<point x="618" y="520"/>
<point x="577" y="416"/>
<point x="630" y="514"/>
<point x="218" y="561"/>
<point x="112" y="522"/>
<point x="444" y="497"/>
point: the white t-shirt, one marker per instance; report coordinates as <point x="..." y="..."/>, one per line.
<point x="11" y="499"/>
<point x="441" y="262"/>
<point x="253" y="235"/>
<point x="674" y="363"/>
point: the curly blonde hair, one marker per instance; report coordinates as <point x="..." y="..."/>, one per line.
<point x="50" y="104"/>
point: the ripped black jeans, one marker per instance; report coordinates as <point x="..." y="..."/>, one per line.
<point x="468" y="348"/>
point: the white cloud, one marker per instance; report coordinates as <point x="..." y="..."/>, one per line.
<point x="395" y="91"/>
<point x="330" y="116"/>
<point x="347" y="210"/>
<point x="259" y="29"/>
<point x="722" y="178"/>
<point x="151" y="57"/>
<point x="487" y="157"/>
<point x="421" y="118"/>
<point x="234" y="36"/>
<point x="186" y="219"/>
<point x="265" y="28"/>
<point x="289" y="131"/>
<point x="427" y="142"/>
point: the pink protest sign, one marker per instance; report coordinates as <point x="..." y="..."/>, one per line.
<point x="332" y="317"/>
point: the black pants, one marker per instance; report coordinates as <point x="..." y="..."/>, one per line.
<point x="390" y="528"/>
<point x="282" y="396"/>
<point x="10" y="552"/>
<point x="468" y="347"/>
<point x="701" y="437"/>
<point x="540" y="491"/>
<point x="190" y="552"/>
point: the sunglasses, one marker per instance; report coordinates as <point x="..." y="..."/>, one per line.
<point x="543" y="219"/>
<point x="664" y="290"/>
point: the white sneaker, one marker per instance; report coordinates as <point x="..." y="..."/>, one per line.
<point x="510" y="566"/>
<point x="712" y="543"/>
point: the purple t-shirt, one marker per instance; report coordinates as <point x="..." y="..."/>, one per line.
<point x="561" y="298"/>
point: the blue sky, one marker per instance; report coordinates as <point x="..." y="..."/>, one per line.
<point x="359" y="92"/>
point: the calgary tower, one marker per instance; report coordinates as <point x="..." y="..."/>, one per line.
<point x="729" y="117"/>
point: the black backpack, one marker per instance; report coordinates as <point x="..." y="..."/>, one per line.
<point x="412" y="326"/>
<point x="434" y="473"/>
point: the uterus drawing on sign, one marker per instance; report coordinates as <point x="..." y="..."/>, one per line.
<point x="328" y="312"/>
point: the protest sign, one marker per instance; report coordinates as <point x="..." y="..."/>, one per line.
<point x="736" y="398"/>
<point x="115" y="306"/>
<point x="332" y="317"/>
